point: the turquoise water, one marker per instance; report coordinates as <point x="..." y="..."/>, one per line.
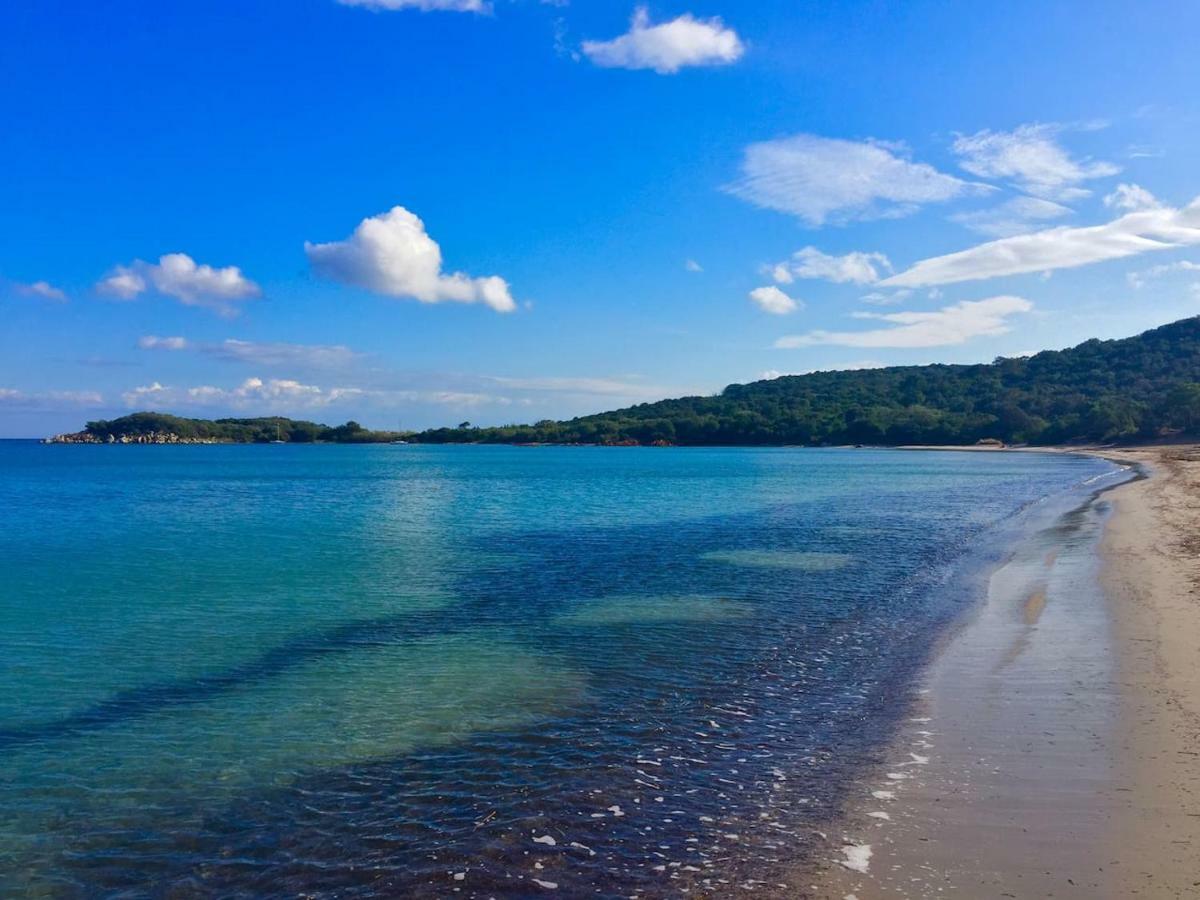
<point x="381" y="670"/>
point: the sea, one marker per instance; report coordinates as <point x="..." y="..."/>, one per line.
<point x="470" y="671"/>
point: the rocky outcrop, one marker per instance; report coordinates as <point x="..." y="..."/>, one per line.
<point x="152" y="437"/>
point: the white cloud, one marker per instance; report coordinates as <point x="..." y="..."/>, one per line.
<point x="43" y="290"/>
<point x="49" y="400"/>
<point x="602" y="387"/>
<point x="771" y="299"/>
<point x="669" y="46"/>
<point x="1032" y="157"/>
<point x="1019" y="215"/>
<point x="878" y="298"/>
<point x="275" y="353"/>
<point x="954" y="324"/>
<point x="824" y="179"/>
<point x="177" y="275"/>
<point x="476" y="6"/>
<point x="260" y="353"/>
<point x="855" y="267"/>
<point x="391" y="254"/>
<point x="1162" y="228"/>
<point x="284" y="394"/>
<point x="1131" y="198"/>
<point x="1139" y="279"/>
<point x="692" y="266"/>
<point x="857" y="366"/>
<point x="154" y="342"/>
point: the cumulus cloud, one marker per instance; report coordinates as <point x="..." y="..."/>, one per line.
<point x="771" y="299"/>
<point x="1160" y="228"/>
<point x="825" y="179"/>
<point x="855" y="267"/>
<point x="1019" y="215"/>
<point x="1032" y="158"/>
<point x="154" y="342"/>
<point x="669" y="46"/>
<point x="955" y="324"/>
<point x="177" y="275"/>
<point x="391" y="254"/>
<point x="42" y="290"/>
<point x="475" y="6"/>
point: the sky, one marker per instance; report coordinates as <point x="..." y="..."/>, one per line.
<point x="415" y="213"/>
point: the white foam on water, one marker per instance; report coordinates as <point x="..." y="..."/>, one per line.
<point x="858" y="857"/>
<point x="548" y="885"/>
<point x="884" y="795"/>
<point x="880" y="815"/>
<point x="546" y="839"/>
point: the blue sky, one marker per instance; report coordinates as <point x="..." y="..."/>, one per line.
<point x="237" y="208"/>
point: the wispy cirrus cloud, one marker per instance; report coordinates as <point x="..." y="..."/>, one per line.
<point x="49" y="400"/>
<point x="668" y="46"/>
<point x="177" y="275"/>
<point x="276" y="395"/>
<point x="1139" y="279"/>
<point x="154" y="342"/>
<point x="623" y="388"/>
<point x="1019" y="215"/>
<point x="41" y="290"/>
<point x="822" y="180"/>
<point x="273" y="354"/>
<point x="1032" y="158"/>
<point x="853" y="268"/>
<point x="475" y="6"/>
<point x="950" y="325"/>
<point x="391" y="254"/>
<point x="1157" y="228"/>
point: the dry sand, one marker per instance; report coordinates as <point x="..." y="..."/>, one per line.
<point x="1054" y="747"/>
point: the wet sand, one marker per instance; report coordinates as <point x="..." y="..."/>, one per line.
<point x="1054" y="745"/>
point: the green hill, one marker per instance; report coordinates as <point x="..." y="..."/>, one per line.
<point x="1134" y="388"/>
<point x="162" y="428"/>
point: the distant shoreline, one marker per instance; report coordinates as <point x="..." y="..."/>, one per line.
<point x="1059" y="735"/>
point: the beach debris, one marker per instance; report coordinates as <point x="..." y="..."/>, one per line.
<point x="857" y="857"/>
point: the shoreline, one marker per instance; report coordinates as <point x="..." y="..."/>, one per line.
<point x="1053" y="747"/>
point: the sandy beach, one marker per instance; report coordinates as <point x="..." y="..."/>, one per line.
<point x="1053" y="749"/>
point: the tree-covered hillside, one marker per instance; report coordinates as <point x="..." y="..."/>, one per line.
<point x="1140" y="387"/>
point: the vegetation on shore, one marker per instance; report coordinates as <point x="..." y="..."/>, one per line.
<point x="1143" y="387"/>
<point x="161" y="428"/>
<point x="1140" y="387"/>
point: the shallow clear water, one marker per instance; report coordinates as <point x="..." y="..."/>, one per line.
<point x="243" y="671"/>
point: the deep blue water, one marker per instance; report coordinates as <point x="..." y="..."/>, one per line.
<point x="405" y="670"/>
